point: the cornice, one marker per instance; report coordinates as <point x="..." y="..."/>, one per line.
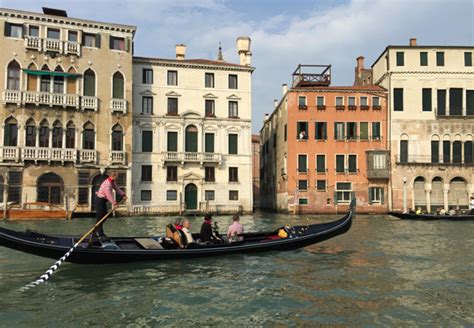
<point x="164" y="63"/>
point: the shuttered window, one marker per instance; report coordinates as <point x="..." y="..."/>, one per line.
<point x="441" y="102"/>
<point x="423" y="58"/>
<point x="434" y="151"/>
<point x="340" y="164"/>
<point x="457" y="152"/>
<point x="398" y="99"/>
<point x="446" y="152"/>
<point x="470" y="102"/>
<point x="468" y="148"/>
<point x="400" y="58"/>
<point x="321" y="131"/>
<point x="321" y="163"/>
<point x="403" y="151"/>
<point x="172" y="141"/>
<point x="209" y="143"/>
<point x="455" y="101"/>
<point x="302" y="167"/>
<point x="364" y="130"/>
<point x="147" y="141"/>
<point x="352" y="163"/>
<point x="426" y="99"/>
<point x="233" y="146"/>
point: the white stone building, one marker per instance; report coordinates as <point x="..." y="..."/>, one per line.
<point x="192" y="133"/>
<point x="431" y="124"/>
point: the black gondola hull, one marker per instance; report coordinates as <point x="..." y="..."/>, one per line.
<point x="431" y="217"/>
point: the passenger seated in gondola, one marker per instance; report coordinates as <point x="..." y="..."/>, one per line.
<point x="178" y="224"/>
<point x="411" y="211"/>
<point x="236" y="229"/>
<point x="207" y="234"/>
<point x="452" y="211"/>
<point x="419" y="211"/>
<point x="187" y="234"/>
<point x="441" y="211"/>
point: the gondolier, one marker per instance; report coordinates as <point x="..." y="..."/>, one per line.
<point x="472" y="205"/>
<point x="103" y="196"/>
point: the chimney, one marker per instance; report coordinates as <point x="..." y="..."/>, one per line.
<point x="180" y="51"/>
<point x="266" y="117"/>
<point x="284" y="88"/>
<point x="243" y="49"/>
<point x="413" y="42"/>
<point x="275" y="103"/>
<point x="360" y="63"/>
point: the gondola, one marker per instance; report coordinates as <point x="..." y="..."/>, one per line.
<point x="131" y="249"/>
<point x="432" y="217"/>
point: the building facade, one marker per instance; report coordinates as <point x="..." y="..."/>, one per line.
<point x="65" y="107"/>
<point x="192" y="133"/>
<point x="256" y="170"/>
<point x="324" y="145"/>
<point x="431" y="114"/>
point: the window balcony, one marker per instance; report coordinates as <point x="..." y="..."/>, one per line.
<point x="88" y="102"/>
<point x="9" y="153"/>
<point x="87" y="156"/>
<point x="53" y="45"/>
<point x="118" y="157"/>
<point x="378" y="166"/>
<point x="11" y="96"/>
<point x="192" y="157"/>
<point x="48" y="154"/>
<point x="72" y="48"/>
<point x="50" y="99"/>
<point x="118" y="105"/>
<point x="33" y="42"/>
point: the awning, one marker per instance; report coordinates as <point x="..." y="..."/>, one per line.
<point x="50" y="73"/>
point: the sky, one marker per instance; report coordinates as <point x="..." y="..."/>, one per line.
<point x="284" y="33"/>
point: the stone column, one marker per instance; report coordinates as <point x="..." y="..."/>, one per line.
<point x="428" y="200"/>
<point x="445" y="196"/>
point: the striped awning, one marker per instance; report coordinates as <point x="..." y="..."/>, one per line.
<point x="50" y="73"/>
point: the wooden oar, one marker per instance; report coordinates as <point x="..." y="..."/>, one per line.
<point x="44" y="277"/>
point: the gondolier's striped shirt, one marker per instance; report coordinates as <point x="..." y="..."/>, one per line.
<point x="105" y="190"/>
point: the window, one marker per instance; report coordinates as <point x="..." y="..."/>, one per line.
<point x="233" y="174"/>
<point x="91" y="40"/>
<point x="89" y="83"/>
<point x="455" y="101"/>
<point x="57" y="135"/>
<point x="352" y="159"/>
<point x="457" y="152"/>
<point x="171" y="195"/>
<point x="302" y="102"/>
<point x="209" y="80"/>
<point x="147" y="76"/>
<point x="439" y="58"/>
<point x="210" y="107"/>
<point x="45" y="83"/>
<point x="302" y="130"/>
<point x="446" y="151"/>
<point x="379" y="161"/>
<point x="233" y="81"/>
<point x="30" y="140"/>
<point x="321" y="163"/>
<point x="145" y="195"/>
<point x="171" y="173"/>
<point x="118" y="87"/>
<point x="117" y="138"/>
<point x="376" y="102"/>
<point x="191" y="139"/>
<point x="233" y="195"/>
<point x="172" y="78"/>
<point x="10" y="132"/>
<point x="400" y="58"/>
<point x="321" y="133"/>
<point x="340" y="165"/>
<point x="426" y="100"/>
<point x="14" y="30"/>
<point x="233" y="147"/>
<point x="233" y="109"/>
<point x="343" y="192"/>
<point x="403" y="151"/>
<point x="302" y="164"/>
<point x="172" y="106"/>
<point x="88" y="136"/>
<point x="303" y="185"/>
<point x="351" y="102"/>
<point x="147" y="141"/>
<point x="441" y="102"/>
<point x="44" y="135"/>
<point x="34" y="31"/>
<point x="468" y="154"/>
<point x="147" y="105"/>
<point x="14" y="186"/>
<point x="70" y="135"/>
<point x="209" y="174"/>
<point x="364" y="130"/>
<point x="53" y="34"/>
<point x="320" y="101"/>
<point x="285" y="132"/>
<point x="423" y="58"/>
<point x="58" y="82"/>
<point x="351" y="130"/>
<point x="72" y="36"/>
<point x="13" y="76"/>
<point x="209" y="195"/>
<point x="339" y="102"/>
<point x="209" y="142"/>
<point x="117" y="43"/>
<point x="398" y="99"/>
<point x="146" y="173"/>
<point x="375" y="195"/>
<point x="364" y="103"/>
<point x="468" y="59"/>
<point x="303" y="201"/>
<point x="83" y="192"/>
<point x="470" y="102"/>
<point x="172" y="144"/>
<point x="339" y="131"/>
<point x="320" y="185"/>
<point x="434" y="151"/>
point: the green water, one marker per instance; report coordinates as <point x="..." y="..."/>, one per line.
<point x="383" y="272"/>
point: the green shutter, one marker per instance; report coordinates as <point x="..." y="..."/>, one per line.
<point x="191" y="142"/>
<point x="441" y="102"/>
<point x="97" y="40"/>
<point x="468" y="59"/>
<point x="89" y="85"/>
<point x="209" y="143"/>
<point x="325" y="134"/>
<point x="469" y="102"/>
<point x="8" y="29"/>
<point x="233" y="144"/>
<point x="371" y="195"/>
<point x="111" y="42"/>
<point x="118" y="87"/>
<point x="172" y="141"/>
<point x="400" y="58"/>
<point x="364" y="130"/>
<point x="426" y="100"/>
<point x="398" y="99"/>
<point x="423" y="59"/>
<point x="127" y="45"/>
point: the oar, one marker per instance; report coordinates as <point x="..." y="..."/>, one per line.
<point x="56" y="265"/>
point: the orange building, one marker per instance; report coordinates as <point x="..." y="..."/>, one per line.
<point x="324" y="145"/>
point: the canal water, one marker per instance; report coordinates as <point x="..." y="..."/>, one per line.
<point x="383" y="272"/>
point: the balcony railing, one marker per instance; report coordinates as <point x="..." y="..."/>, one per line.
<point x="118" y="105"/>
<point x="432" y="160"/>
<point x="33" y="42"/>
<point x="51" y="99"/>
<point x="192" y="157"/>
<point x="89" y="102"/>
<point x="87" y="156"/>
<point x="10" y="153"/>
<point x="118" y="157"/>
<point x="53" y="45"/>
<point x="73" y="48"/>
<point x="48" y="154"/>
<point x="11" y="96"/>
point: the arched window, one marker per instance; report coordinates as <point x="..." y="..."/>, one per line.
<point x="10" y="133"/>
<point x="117" y="137"/>
<point x="435" y="149"/>
<point x="44" y="134"/>
<point x="49" y="188"/>
<point x="70" y="135"/>
<point x="45" y="85"/>
<point x="13" y="76"/>
<point x="71" y="82"/>
<point x="118" y="86"/>
<point x="57" y="135"/>
<point x="404" y="148"/>
<point x="191" y="139"/>
<point x="30" y="133"/>
<point x="88" y="136"/>
<point x="89" y="83"/>
<point x="32" y="80"/>
<point x="58" y="86"/>
<point x="419" y="192"/>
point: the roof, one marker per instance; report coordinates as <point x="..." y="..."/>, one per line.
<point x="255" y="138"/>
<point x="342" y="88"/>
<point x="197" y="62"/>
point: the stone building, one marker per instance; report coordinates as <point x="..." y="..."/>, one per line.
<point x="65" y="106"/>
<point x="431" y="114"/>
<point x="256" y="170"/>
<point x="192" y="133"/>
<point x="324" y="145"/>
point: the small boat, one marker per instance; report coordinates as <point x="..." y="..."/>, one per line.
<point x="130" y="249"/>
<point x="432" y="217"/>
<point x="36" y="211"/>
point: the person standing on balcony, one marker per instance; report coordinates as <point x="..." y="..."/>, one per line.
<point x="103" y="196"/>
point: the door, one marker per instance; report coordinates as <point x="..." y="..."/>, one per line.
<point x="190" y="196"/>
<point x="96" y="182"/>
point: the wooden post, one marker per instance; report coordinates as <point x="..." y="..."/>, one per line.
<point x="66" y="202"/>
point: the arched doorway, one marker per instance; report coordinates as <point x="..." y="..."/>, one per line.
<point x="96" y="182"/>
<point x="419" y="192"/>
<point x="458" y="195"/>
<point x="190" y="196"/>
<point x="50" y="188"/>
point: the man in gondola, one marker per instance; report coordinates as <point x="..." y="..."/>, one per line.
<point x="472" y="205"/>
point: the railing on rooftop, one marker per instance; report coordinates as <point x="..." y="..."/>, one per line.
<point x="312" y="75"/>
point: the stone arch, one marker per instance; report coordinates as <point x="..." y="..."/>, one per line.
<point x="10" y="132"/>
<point x="13" y="75"/>
<point x="118" y="85"/>
<point x="191" y="139"/>
<point x="437" y="195"/>
<point x="458" y="192"/>
<point x="419" y="195"/>
<point x="50" y="188"/>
